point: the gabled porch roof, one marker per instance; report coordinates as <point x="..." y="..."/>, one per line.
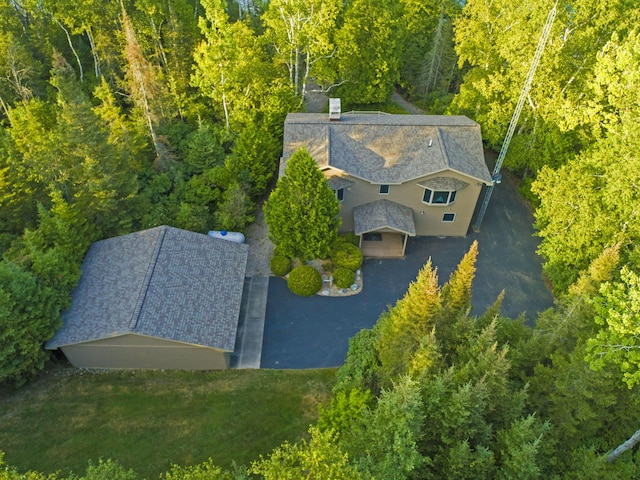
<point x="383" y="214"/>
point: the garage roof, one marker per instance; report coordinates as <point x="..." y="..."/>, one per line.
<point x="163" y="282"/>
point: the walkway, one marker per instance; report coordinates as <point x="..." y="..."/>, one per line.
<point x="248" y="349"/>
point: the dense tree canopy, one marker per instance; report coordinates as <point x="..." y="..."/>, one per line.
<point x="118" y="116"/>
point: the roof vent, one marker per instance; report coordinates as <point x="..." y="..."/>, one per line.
<point x="334" y="109"/>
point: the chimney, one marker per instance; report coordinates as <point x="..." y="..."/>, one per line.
<point x="334" y="109"/>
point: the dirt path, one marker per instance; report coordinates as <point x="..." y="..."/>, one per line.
<point x="409" y="107"/>
<point x="315" y="101"/>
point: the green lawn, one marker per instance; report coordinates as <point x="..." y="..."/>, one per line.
<point x="147" y="420"/>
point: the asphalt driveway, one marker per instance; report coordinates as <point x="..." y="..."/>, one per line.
<point x="314" y="332"/>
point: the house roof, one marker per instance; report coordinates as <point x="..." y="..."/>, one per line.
<point x="383" y="214"/>
<point x="337" y="182"/>
<point x="163" y="282"/>
<point x="443" y="183"/>
<point x="389" y="149"/>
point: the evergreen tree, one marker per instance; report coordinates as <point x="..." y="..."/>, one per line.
<point x="302" y="213"/>
<point x="29" y="316"/>
<point x="403" y="329"/>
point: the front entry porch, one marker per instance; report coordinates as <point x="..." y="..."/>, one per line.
<point x="383" y="227"/>
<point x="383" y="245"/>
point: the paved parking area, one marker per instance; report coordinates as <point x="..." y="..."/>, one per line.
<point x="314" y="332"/>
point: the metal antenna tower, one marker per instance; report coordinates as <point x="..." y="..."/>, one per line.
<point x="496" y="176"/>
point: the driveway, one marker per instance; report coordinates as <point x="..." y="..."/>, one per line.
<point x="314" y="332"/>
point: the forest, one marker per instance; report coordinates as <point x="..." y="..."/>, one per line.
<point x="120" y="116"/>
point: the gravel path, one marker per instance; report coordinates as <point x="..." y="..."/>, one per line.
<point x="260" y="247"/>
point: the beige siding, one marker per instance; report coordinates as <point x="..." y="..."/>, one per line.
<point x="427" y="218"/>
<point x="136" y="351"/>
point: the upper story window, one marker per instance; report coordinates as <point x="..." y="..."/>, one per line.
<point x="384" y="190"/>
<point x="339" y="185"/>
<point x="438" y="197"/>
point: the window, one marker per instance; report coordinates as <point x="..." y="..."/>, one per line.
<point x="384" y="189"/>
<point x="372" y="237"/>
<point x="340" y="194"/>
<point x="448" y="217"/>
<point x="438" y="197"/>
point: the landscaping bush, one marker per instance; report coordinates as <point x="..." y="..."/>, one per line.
<point x="349" y="237"/>
<point x="343" y="277"/>
<point x="304" y="280"/>
<point x="347" y="256"/>
<point x="280" y="251"/>
<point x="280" y="265"/>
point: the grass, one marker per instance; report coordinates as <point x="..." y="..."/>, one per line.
<point x="147" y="420"/>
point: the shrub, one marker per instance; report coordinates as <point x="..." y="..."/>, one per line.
<point x="349" y="237"/>
<point x="347" y="256"/>
<point x="343" y="277"/>
<point x="280" y="251"/>
<point x="280" y="265"/>
<point x="304" y="280"/>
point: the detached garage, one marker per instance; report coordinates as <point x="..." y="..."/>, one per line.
<point x="162" y="298"/>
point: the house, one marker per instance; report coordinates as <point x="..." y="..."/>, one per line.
<point x="395" y="175"/>
<point x="162" y="298"/>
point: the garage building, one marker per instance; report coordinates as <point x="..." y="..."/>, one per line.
<point x="162" y="298"/>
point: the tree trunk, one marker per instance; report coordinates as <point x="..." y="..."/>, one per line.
<point x="75" y="54"/>
<point x="435" y="54"/>
<point x="94" y="52"/>
<point x="628" y="445"/>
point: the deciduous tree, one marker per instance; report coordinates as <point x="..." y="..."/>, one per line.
<point x="368" y="57"/>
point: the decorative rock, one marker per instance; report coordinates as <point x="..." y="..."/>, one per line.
<point x="354" y="287"/>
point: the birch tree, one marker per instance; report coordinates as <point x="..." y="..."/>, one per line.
<point x="496" y="40"/>
<point x="301" y="32"/>
<point x="231" y="66"/>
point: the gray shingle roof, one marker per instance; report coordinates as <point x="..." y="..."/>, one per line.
<point x="383" y="214"/>
<point x="443" y="183"/>
<point x="389" y="149"/>
<point x="336" y="182"/>
<point x="163" y="282"/>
